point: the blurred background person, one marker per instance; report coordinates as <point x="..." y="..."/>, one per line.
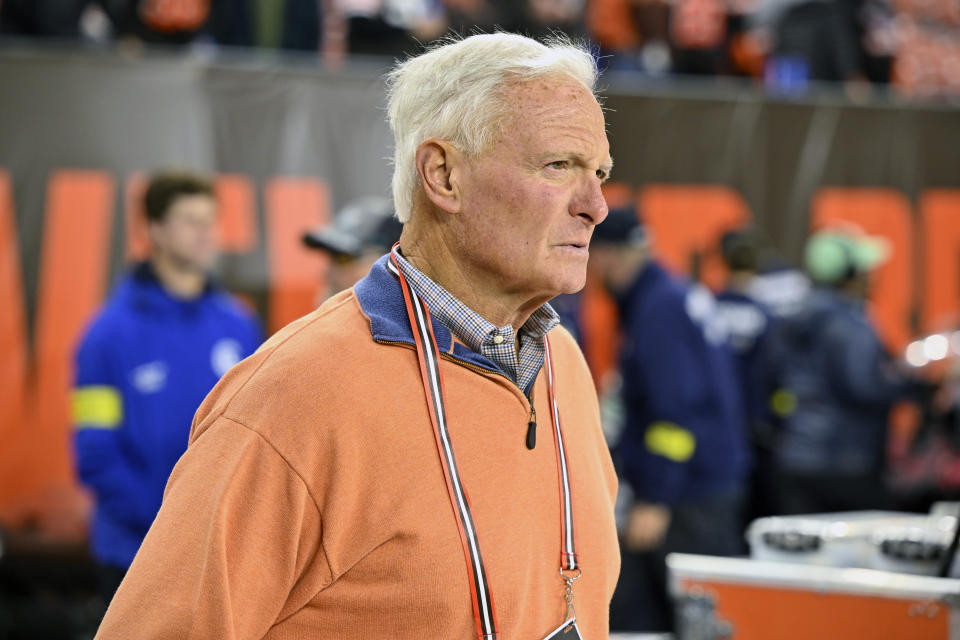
<point x="632" y="35"/>
<point x="167" y="22"/>
<point x="682" y="451"/>
<point x="780" y="287"/>
<point x="175" y="22"/>
<point x="160" y="343"/>
<point x="838" y="383"/>
<point x="748" y="323"/>
<point x="387" y="27"/>
<point x="911" y="45"/>
<point x="924" y="455"/>
<point x="809" y="40"/>
<point x="361" y="232"/>
<point x="42" y="18"/>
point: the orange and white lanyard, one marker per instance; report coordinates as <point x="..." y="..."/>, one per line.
<point x="483" y="608"/>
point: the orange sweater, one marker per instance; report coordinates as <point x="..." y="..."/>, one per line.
<point x="311" y="501"/>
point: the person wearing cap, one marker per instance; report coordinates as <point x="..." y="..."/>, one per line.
<point x="838" y="383"/>
<point x="421" y="456"/>
<point x="681" y="450"/>
<point x="359" y="234"/>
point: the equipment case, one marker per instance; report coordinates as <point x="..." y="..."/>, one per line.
<point x="747" y="599"/>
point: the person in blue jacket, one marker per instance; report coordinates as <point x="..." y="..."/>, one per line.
<point x="681" y="451"/>
<point x="160" y="343"/>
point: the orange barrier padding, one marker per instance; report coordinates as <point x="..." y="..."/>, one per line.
<point x="600" y="322"/>
<point x="762" y="612"/>
<point x="687" y="222"/>
<point x="73" y="270"/>
<point x="940" y="209"/>
<point x="135" y="223"/>
<point x="618" y="194"/>
<point x="237" y="225"/>
<point x="887" y="213"/>
<point x="293" y="205"/>
<point x="13" y="347"/>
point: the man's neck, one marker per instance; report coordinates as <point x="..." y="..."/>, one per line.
<point x="185" y="284"/>
<point x="479" y="291"/>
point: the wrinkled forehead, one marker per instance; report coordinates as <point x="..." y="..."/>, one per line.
<point x="559" y="95"/>
<point x="554" y="109"/>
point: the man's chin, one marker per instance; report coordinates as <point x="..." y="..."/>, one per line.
<point x="200" y="267"/>
<point x="572" y="284"/>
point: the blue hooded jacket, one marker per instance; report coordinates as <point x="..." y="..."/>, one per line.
<point x="682" y="439"/>
<point x="142" y="369"/>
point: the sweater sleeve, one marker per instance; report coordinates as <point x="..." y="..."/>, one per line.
<point x="235" y="548"/>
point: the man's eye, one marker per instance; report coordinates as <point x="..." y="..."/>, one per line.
<point x="559" y="164"/>
<point x="603" y="175"/>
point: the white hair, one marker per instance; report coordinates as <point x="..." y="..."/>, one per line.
<point x="455" y="92"/>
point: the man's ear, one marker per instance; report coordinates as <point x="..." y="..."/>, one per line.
<point x="440" y="167"/>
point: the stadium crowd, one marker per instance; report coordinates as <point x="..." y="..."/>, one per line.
<point x="912" y="45"/>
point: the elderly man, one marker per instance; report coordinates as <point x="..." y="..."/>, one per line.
<point x="325" y="489"/>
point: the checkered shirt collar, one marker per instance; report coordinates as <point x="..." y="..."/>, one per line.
<point x="480" y="335"/>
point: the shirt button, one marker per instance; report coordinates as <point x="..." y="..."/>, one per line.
<point x="497" y="339"/>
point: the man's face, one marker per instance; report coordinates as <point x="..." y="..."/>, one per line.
<point x="187" y="235"/>
<point x="530" y="204"/>
<point x="861" y="285"/>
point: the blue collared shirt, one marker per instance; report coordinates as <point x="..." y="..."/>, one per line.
<point x="493" y="342"/>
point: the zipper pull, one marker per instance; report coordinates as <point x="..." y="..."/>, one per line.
<point x="532" y="428"/>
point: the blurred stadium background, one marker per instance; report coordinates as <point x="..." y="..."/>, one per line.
<point x="721" y="114"/>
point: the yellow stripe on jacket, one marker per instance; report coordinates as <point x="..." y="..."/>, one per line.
<point x="670" y="441"/>
<point x="96" y="407"/>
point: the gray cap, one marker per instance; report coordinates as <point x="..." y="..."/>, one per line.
<point x="365" y="223"/>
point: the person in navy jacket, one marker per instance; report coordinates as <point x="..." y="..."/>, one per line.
<point x="681" y="450"/>
<point x="750" y="325"/>
<point x="162" y="340"/>
<point x="840" y="381"/>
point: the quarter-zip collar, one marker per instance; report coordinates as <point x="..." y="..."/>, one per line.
<point x="381" y="299"/>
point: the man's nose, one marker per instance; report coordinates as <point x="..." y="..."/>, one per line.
<point x="590" y="205"/>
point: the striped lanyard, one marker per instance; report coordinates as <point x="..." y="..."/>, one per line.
<point x="484" y="612"/>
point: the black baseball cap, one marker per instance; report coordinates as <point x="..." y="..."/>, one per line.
<point x="363" y="224"/>
<point x="622" y="226"/>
